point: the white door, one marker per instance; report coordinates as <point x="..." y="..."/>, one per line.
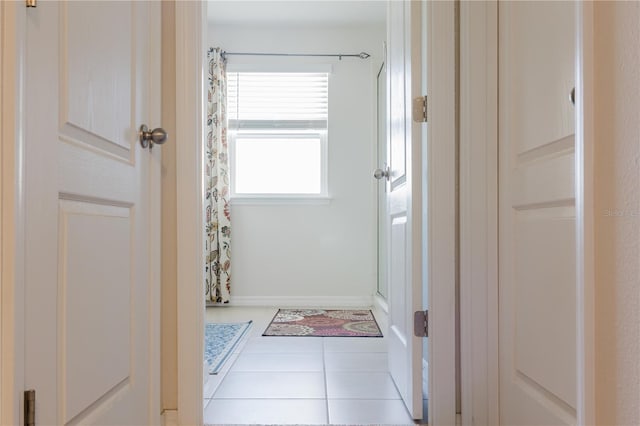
<point x="91" y="282"/>
<point x="404" y="202"/>
<point x="537" y="282"/>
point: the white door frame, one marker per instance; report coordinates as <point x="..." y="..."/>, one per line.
<point x="585" y="229"/>
<point x="190" y="131"/>
<point x="479" y="213"/>
<point x="442" y="204"/>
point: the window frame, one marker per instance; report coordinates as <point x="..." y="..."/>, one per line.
<point x="323" y="196"/>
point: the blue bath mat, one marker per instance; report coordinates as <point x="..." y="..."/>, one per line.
<point x="219" y="342"/>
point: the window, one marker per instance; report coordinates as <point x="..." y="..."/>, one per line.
<point x="278" y="134"/>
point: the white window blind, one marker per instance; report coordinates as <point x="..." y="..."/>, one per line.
<point x="292" y="101"/>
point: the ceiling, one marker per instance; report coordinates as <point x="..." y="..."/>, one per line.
<point x="299" y="12"/>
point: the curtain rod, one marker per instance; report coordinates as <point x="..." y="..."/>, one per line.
<point x="361" y="55"/>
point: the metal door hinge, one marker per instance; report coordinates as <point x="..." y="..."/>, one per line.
<point x="420" y="109"/>
<point x="30" y="408"/>
<point x="31" y="3"/>
<point x="421" y="323"/>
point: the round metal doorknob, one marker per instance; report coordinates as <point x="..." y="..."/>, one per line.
<point x="379" y="173"/>
<point x="156" y="136"/>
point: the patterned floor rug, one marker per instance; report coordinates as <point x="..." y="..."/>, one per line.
<point x="323" y="323"/>
<point x="219" y="342"/>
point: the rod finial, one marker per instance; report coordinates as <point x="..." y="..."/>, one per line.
<point x="363" y="55"/>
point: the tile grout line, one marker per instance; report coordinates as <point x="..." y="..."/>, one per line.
<point x="326" y="388"/>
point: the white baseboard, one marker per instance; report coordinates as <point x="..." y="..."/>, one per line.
<point x="381" y="303"/>
<point x="304" y="302"/>
<point x="381" y="313"/>
<point x="170" y="418"/>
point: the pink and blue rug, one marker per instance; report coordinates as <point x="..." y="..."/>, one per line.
<point x="219" y="342"/>
<point x="323" y="323"/>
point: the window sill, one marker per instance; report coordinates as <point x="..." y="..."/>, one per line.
<point x="275" y="200"/>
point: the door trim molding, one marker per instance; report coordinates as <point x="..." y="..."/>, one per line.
<point x="442" y="203"/>
<point x="585" y="228"/>
<point x="155" y="198"/>
<point x="190" y="125"/>
<point x="479" y="212"/>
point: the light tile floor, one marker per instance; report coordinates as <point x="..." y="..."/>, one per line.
<point x="301" y="380"/>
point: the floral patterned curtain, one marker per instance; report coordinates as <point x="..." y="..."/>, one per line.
<point x="217" y="230"/>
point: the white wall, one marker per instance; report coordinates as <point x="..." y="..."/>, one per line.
<point x="314" y="251"/>
<point x="617" y="188"/>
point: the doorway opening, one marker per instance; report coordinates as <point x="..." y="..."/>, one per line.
<point x="318" y="249"/>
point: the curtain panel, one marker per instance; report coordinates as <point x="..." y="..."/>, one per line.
<point x="217" y="229"/>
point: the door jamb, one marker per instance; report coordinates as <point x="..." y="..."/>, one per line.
<point x="479" y="212"/>
<point x="441" y="244"/>
<point x="12" y="56"/>
<point x="585" y="228"/>
<point x="190" y="50"/>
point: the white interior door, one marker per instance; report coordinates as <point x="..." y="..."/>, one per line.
<point x="537" y="283"/>
<point x="91" y="282"/>
<point x="404" y="202"/>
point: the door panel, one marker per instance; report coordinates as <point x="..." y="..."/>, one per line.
<point x="89" y="301"/>
<point x="381" y="148"/>
<point x="96" y="96"/>
<point x="398" y="325"/>
<point x="537" y="214"/>
<point x="544" y="302"/>
<point x="404" y="203"/>
<point x="89" y="275"/>
<point x="397" y="97"/>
